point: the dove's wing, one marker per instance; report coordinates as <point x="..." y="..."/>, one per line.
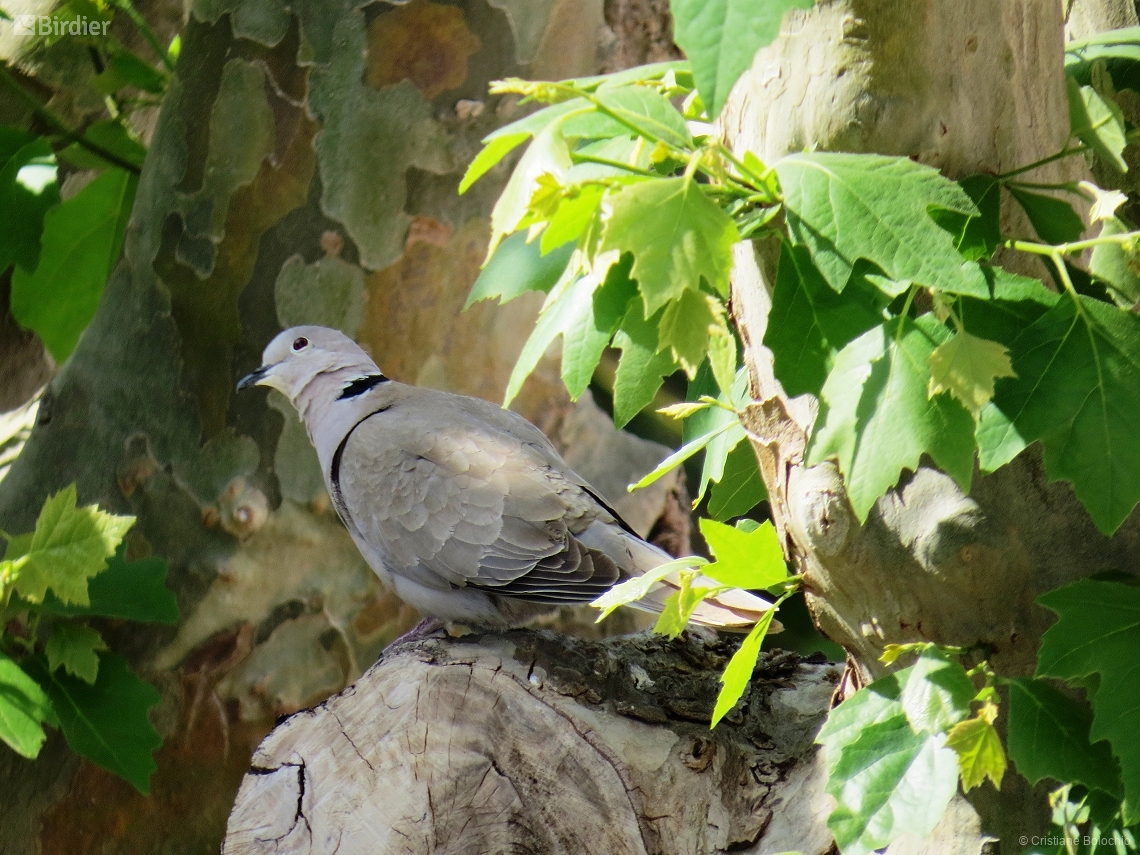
<point x="451" y="497"/>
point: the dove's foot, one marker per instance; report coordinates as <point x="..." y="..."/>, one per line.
<point x="426" y="628"/>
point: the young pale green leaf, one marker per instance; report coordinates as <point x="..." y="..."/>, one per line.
<point x="75" y="648"/>
<point x="547" y="155"/>
<point x="81" y="241"/>
<point x="937" y="694"/>
<point x="876" y="418"/>
<point x="677" y="236"/>
<point x="1098" y="632"/>
<point x="810" y="322"/>
<point x="1049" y="738"/>
<point x="1053" y="219"/>
<point x="128" y="590"/>
<point x="1117" y="265"/>
<point x="1076" y="391"/>
<point x="642" y="367"/>
<point x="721" y="37"/>
<point x="680" y="456"/>
<point x="888" y="782"/>
<point x="679" y="608"/>
<point x="636" y="588"/>
<point x="966" y="367"/>
<point x="575" y="212"/>
<point x="1098" y="123"/>
<point x="976" y="237"/>
<point x="744" y="559"/>
<point x="585" y="312"/>
<point x="69" y="545"/>
<point x="844" y="207"/>
<point x="519" y="266"/>
<point x="739" y="670"/>
<point x="687" y="327"/>
<point x="979" y="749"/>
<point x="504" y="140"/>
<point x="28" y="190"/>
<point x="723" y="357"/>
<point x="107" y="722"/>
<point x="494" y="150"/>
<point x="630" y="109"/>
<point x="24" y="709"/>
<point x="721" y="421"/>
<point x="870" y="705"/>
<point x="740" y="487"/>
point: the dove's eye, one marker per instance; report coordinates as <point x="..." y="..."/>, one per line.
<point x="300" y="343"/>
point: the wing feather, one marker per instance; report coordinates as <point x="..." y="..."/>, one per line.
<point x="449" y="498"/>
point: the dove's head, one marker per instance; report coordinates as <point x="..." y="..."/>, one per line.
<point x="303" y="361"/>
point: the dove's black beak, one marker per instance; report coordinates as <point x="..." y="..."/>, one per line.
<point x="251" y="379"/>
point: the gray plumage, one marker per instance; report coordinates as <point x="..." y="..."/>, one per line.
<point x="463" y="508"/>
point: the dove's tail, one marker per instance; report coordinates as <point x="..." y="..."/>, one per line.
<point x="733" y="610"/>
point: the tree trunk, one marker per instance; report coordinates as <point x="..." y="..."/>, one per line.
<point x="539" y="743"/>
<point x="966" y="87"/>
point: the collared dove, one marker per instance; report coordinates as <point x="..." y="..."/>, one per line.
<point x="463" y="508"/>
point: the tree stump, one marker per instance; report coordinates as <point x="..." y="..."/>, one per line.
<point x="532" y="742"/>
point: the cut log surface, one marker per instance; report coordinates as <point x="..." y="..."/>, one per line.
<point x="533" y="743"/>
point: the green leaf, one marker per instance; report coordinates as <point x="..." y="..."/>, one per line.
<point x="739" y="670"/>
<point x="493" y="151"/>
<point x="69" y="545"/>
<point x="1053" y="219"/>
<point x="937" y="694"/>
<point x="640" y="106"/>
<point x="547" y="155"/>
<point x="721" y="37"/>
<point x="138" y="72"/>
<point x="1098" y="123"/>
<point x="876" y="418"/>
<point x="107" y="722"/>
<point x="1116" y="265"/>
<point x="810" y="322"/>
<point x="888" y="782"/>
<point x="576" y="211"/>
<point x="128" y="590"/>
<point x="75" y="647"/>
<point x="976" y="237"/>
<point x="844" y="207"/>
<point x="980" y="754"/>
<point x="585" y="312"/>
<point x="28" y="189"/>
<point x="1098" y="632"/>
<point x="720" y="424"/>
<point x="636" y="588"/>
<point x="682" y="454"/>
<point x="110" y="135"/>
<point x="642" y="366"/>
<point x="870" y="705"/>
<point x="24" y="709"/>
<point x="749" y="560"/>
<point x="687" y="327"/>
<point x="676" y="234"/>
<point x="519" y="266"/>
<point x="740" y="487"/>
<point x="81" y="241"/>
<point x="966" y="367"/>
<point x="679" y="608"/>
<point x="1049" y="738"/>
<point x="1077" y="391"/>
